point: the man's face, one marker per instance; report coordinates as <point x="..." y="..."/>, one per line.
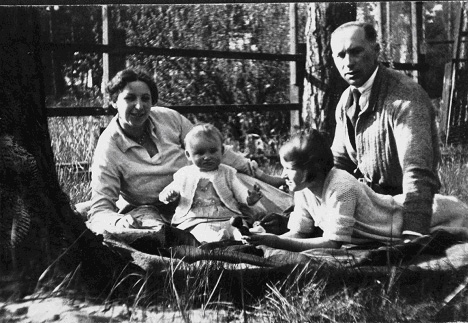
<point x="354" y="56"/>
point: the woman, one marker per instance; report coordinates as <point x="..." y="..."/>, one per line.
<point x="347" y="210"/>
<point x="137" y="155"/>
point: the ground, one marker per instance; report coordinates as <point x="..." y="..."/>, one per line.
<point x="60" y="309"/>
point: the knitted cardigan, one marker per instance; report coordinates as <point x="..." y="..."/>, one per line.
<point x="397" y="143"/>
<point x="225" y="182"/>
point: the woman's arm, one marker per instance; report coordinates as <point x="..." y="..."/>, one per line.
<point x="291" y="241"/>
<point x="276" y="181"/>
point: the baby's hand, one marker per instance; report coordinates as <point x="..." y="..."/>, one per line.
<point x="254" y="196"/>
<point x="168" y="196"/>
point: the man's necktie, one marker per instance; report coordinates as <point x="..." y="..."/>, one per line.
<point x="357" y="108"/>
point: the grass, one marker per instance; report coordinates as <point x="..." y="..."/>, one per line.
<point x="308" y="294"/>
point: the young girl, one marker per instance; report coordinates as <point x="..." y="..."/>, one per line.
<point x="347" y="210"/>
<point x="209" y="192"/>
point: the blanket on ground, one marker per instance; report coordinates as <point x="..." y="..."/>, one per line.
<point x="153" y="249"/>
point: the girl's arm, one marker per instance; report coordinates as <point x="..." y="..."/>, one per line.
<point x="291" y="241"/>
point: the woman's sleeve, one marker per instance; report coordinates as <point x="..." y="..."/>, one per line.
<point x="236" y="160"/>
<point x="185" y="127"/>
<point x="105" y="185"/>
<point x="301" y="220"/>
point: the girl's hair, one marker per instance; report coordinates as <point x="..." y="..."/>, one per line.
<point x="204" y="130"/>
<point x="309" y="151"/>
<point x="122" y="78"/>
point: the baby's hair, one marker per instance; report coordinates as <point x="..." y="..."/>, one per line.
<point x="204" y="130"/>
<point x="309" y="151"/>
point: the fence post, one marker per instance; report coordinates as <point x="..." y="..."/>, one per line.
<point x="105" y="56"/>
<point x="293" y="87"/>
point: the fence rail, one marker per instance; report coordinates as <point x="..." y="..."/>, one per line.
<point x="171" y="52"/>
<point x="184" y="109"/>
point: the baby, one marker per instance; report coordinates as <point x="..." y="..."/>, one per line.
<point x="208" y="192"/>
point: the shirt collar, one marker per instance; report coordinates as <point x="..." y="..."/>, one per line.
<point x="123" y="141"/>
<point x="366" y="87"/>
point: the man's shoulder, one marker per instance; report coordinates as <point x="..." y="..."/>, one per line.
<point x="401" y="81"/>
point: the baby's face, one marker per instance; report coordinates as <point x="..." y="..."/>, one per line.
<point x="205" y="153"/>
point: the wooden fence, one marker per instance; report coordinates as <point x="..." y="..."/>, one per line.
<point x="122" y="50"/>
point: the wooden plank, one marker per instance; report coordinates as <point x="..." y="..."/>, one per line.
<point x="223" y="108"/>
<point x="444" y="104"/>
<point x="172" y="52"/>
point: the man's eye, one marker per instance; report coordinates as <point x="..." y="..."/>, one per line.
<point x="355" y="51"/>
<point x="129" y="98"/>
<point x="146" y="99"/>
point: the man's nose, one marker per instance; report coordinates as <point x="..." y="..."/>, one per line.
<point x="348" y="60"/>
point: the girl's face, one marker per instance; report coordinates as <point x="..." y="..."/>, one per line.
<point x="205" y="153"/>
<point x="133" y="105"/>
<point x="295" y="178"/>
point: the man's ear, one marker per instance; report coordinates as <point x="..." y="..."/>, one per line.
<point x="113" y="104"/>
<point x="377" y="47"/>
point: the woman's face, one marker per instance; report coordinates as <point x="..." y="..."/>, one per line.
<point x="295" y="178"/>
<point x="133" y="105"/>
<point x="205" y="153"/>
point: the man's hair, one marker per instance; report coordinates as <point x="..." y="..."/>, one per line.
<point x="309" y="151"/>
<point x="204" y="130"/>
<point x="369" y="30"/>
<point x="122" y="78"/>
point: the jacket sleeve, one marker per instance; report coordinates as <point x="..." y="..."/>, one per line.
<point x="418" y="152"/>
<point x="105" y="185"/>
<point x="236" y="160"/>
<point x="340" y="153"/>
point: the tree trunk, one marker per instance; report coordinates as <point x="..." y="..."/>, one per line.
<point x="323" y="85"/>
<point x="37" y="223"/>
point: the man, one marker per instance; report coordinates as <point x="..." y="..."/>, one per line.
<point x="386" y="134"/>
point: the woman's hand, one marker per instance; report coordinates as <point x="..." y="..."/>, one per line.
<point x="266" y="239"/>
<point x="168" y="196"/>
<point x="128" y="222"/>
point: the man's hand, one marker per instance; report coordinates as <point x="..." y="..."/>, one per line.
<point x="168" y="196"/>
<point x="254" y="196"/>
<point x="266" y="239"/>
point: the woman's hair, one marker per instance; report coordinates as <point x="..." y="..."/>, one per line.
<point x="309" y="151"/>
<point x="122" y="78"/>
<point x="204" y="130"/>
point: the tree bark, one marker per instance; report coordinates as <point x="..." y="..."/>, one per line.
<point x="38" y="227"/>
<point x="322" y="84"/>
